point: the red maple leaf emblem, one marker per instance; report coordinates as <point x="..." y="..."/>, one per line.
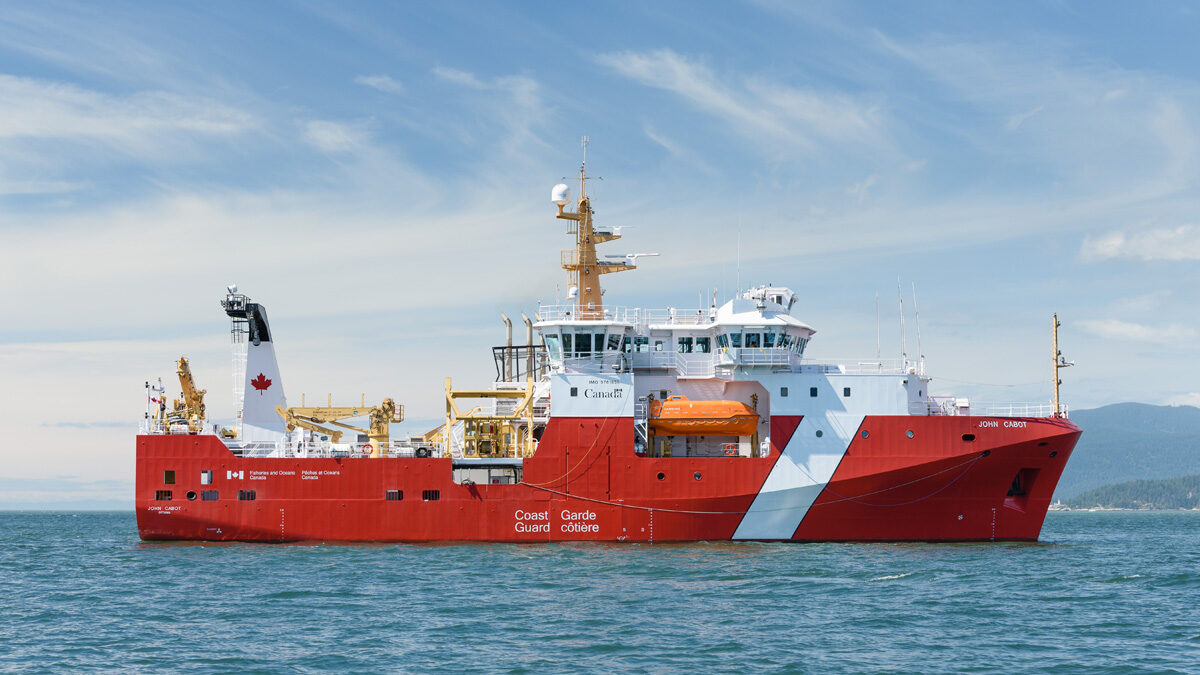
<point x="261" y="383"/>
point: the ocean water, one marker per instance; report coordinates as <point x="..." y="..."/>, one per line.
<point x="1104" y="592"/>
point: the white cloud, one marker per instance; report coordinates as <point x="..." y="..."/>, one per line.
<point x="1016" y="121"/>
<point x="1179" y="243"/>
<point x="334" y="137"/>
<point x="42" y="109"/>
<point x="1190" y="398"/>
<point x="381" y="82"/>
<point x="1114" y="329"/>
<point x="458" y="77"/>
<point x="768" y="112"/>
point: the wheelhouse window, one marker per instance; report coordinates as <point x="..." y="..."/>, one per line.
<point x="614" y="342"/>
<point x="735" y="339"/>
<point x="685" y="345"/>
<point x="568" y="343"/>
<point x="769" y="340"/>
<point x="641" y="344"/>
<point x="785" y="341"/>
<point x="599" y="342"/>
<point x="703" y="345"/>
<point x="723" y="341"/>
<point x="553" y="347"/>
<point x="753" y="340"/>
<point x="583" y="343"/>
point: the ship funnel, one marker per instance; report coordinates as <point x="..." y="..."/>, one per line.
<point x="259" y="389"/>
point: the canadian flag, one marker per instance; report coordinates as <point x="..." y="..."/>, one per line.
<point x="230" y="475"/>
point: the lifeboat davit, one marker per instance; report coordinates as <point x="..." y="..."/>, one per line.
<point x="677" y="416"/>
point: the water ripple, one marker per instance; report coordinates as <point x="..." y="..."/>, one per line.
<point x="1106" y="592"/>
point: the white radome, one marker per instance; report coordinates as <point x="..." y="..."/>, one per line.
<point x="561" y="194"/>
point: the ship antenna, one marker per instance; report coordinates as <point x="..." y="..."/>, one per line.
<point x="917" y="312"/>
<point x="738" y="289"/>
<point x="878" y="342"/>
<point x="903" y="339"/>
<point x="1059" y="363"/>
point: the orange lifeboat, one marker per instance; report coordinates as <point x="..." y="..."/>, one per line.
<point x="677" y="416"/>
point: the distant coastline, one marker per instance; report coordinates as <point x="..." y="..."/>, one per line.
<point x="1165" y="494"/>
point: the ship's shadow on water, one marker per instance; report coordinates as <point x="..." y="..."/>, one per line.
<point x="1105" y="591"/>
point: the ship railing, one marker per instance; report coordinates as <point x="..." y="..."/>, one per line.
<point x="638" y="316"/>
<point x="954" y="406"/>
<point x="861" y="367"/>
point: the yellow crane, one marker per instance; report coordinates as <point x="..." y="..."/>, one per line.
<point x="313" y="419"/>
<point x="189" y="410"/>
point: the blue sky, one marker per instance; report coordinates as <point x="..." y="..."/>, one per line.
<point x="379" y="178"/>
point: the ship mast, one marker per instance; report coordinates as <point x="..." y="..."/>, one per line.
<point x="581" y="262"/>
<point x="1059" y="363"/>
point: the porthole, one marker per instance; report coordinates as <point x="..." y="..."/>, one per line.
<point x="864" y="433"/>
<point x="696" y="475"/>
<point x="967" y="438"/>
<point x="820" y="433"/>
<point x="909" y="433"/>
<point x="191" y="496"/>
<point x="661" y="475"/>
<point x="1053" y="454"/>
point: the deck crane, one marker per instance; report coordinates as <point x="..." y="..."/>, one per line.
<point x="190" y="409"/>
<point x="313" y="419"/>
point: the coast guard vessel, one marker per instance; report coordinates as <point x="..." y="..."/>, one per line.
<point x="610" y="424"/>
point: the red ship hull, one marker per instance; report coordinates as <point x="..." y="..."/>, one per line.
<point x="953" y="479"/>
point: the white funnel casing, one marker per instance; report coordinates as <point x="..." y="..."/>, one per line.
<point x="262" y="386"/>
<point x="264" y="391"/>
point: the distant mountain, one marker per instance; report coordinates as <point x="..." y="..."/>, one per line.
<point x="1131" y="441"/>
<point x="1166" y="493"/>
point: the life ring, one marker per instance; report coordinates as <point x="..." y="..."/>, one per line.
<point x="731" y="450"/>
<point x="367" y="449"/>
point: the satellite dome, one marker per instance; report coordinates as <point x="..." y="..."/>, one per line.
<point x="561" y="194"/>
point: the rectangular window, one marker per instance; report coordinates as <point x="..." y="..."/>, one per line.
<point x="769" y="340"/>
<point x="162" y="495"/>
<point x="599" y="342"/>
<point x="685" y="345"/>
<point x="209" y="495"/>
<point x="812" y="391"/>
<point x="641" y="344"/>
<point x="567" y="344"/>
<point x="783" y="392"/>
<point x="583" y="343"/>
<point x="662" y="395"/>
<point x="753" y="340"/>
<point x="626" y="345"/>
<point x="658" y="345"/>
<point x="431" y="495"/>
<point x="736" y="340"/>
<point x="552" y="347"/>
<point x="247" y="495"/>
<point x="703" y="345"/>
<point x="206" y="477"/>
<point x="846" y="392"/>
<point x="614" y="342"/>
<point x="395" y="495"/>
<point x="574" y="391"/>
<point x="169" y="477"/>
<point x="801" y="343"/>
<point x="723" y="341"/>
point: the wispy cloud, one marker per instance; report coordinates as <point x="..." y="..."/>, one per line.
<point x="1177" y="243"/>
<point x="335" y="137"/>
<point x="1115" y="329"/>
<point x="42" y="109"/>
<point x="381" y="82"/>
<point x="776" y="116"/>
